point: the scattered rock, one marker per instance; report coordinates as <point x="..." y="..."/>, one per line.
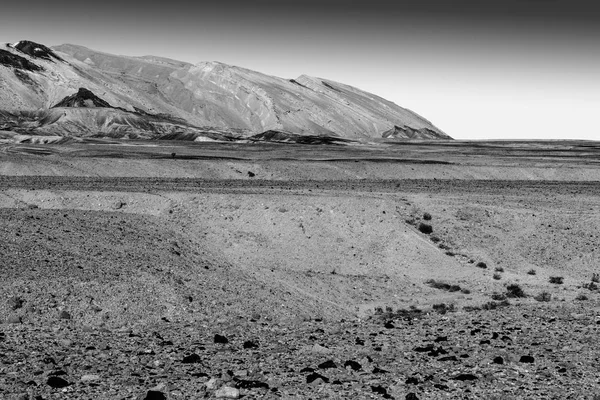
<point x="465" y="377"/>
<point x="15" y="302"/>
<point x="315" y="376"/>
<point x="227" y="392"/>
<point x="221" y="339"/>
<point x="317" y="348"/>
<point x="155" y="395"/>
<point x="90" y="378"/>
<point x="64" y="315"/>
<point x="327" y="364"/>
<point x="355" y="366"/>
<point x="250" y="344"/>
<point x="57" y="382"/>
<point x="191" y="359"/>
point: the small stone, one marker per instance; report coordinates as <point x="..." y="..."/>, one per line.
<point x="227" y="392"/>
<point x="250" y="344"/>
<point x="355" y="366"/>
<point x="380" y="390"/>
<point x="15" y="302"/>
<point x="317" y="348"/>
<point x="155" y="395"/>
<point x="327" y="364"/>
<point x="191" y="359"/>
<point x="465" y="377"/>
<point x="64" y="315"/>
<point x="221" y="339"/>
<point x="315" y="376"/>
<point x="57" y="382"/>
<point x="212" y="383"/>
<point x="378" y="370"/>
<point x="90" y="378"/>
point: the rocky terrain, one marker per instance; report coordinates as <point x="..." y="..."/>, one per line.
<point x="429" y="270"/>
<point x="157" y="98"/>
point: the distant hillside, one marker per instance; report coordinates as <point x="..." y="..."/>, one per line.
<point x="70" y="90"/>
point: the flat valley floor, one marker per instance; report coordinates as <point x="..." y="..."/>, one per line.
<point x="416" y="270"/>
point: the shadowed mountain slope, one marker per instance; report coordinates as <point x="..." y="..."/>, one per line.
<point x="188" y="99"/>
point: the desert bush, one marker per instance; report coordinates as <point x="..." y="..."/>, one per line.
<point x="465" y="291"/>
<point x="450" y="253"/>
<point x="378" y="310"/>
<point x="443" y="246"/>
<point x="435" y="239"/>
<point x="531" y="272"/>
<point x="497" y="276"/>
<point x="590" y="286"/>
<point x="543" y="296"/>
<point x="410" y="314"/>
<point x="425" y="228"/>
<point x="427" y="216"/>
<point x="499" y="269"/>
<point x="442" y="285"/>
<point x="596" y="278"/>
<point x="498" y="296"/>
<point x="492" y="305"/>
<point x="581" y="297"/>
<point x="558" y="280"/>
<point x="443" y="308"/>
<point x="514" y="291"/>
<point x="481" y="264"/>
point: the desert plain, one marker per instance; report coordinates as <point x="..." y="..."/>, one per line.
<point x="407" y="270"/>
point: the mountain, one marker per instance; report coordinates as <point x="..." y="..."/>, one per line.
<point x="70" y="90"/>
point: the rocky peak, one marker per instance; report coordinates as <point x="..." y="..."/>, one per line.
<point x="35" y="50"/>
<point x="84" y="98"/>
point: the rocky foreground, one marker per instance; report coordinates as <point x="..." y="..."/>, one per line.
<point x="518" y="351"/>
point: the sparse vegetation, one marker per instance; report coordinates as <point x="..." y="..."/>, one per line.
<point x="481" y="264"/>
<point x="591" y="286"/>
<point x="465" y="291"/>
<point x="531" y="272"/>
<point x="390" y="314"/>
<point x="498" y="296"/>
<point x="543" y="296"/>
<point x="427" y="216"/>
<point x="443" y="285"/>
<point x="514" y="291"/>
<point x="499" y="269"/>
<point x="497" y="276"/>
<point x="443" y="308"/>
<point x="557" y="280"/>
<point x="425" y="228"/>
<point x="581" y="297"/>
<point x="450" y="253"/>
<point x="492" y="305"/>
<point x="435" y="239"/>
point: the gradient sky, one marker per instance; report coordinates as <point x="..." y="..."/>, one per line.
<point x="477" y="69"/>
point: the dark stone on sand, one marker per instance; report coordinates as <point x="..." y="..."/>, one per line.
<point x="221" y="339"/>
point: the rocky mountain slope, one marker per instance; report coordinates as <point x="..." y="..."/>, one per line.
<point x="74" y="91"/>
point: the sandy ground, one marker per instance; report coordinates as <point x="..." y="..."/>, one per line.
<point x="126" y="236"/>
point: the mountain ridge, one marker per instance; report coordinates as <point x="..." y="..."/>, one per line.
<point x="184" y="98"/>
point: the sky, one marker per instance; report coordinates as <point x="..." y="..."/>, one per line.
<point x="512" y="69"/>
